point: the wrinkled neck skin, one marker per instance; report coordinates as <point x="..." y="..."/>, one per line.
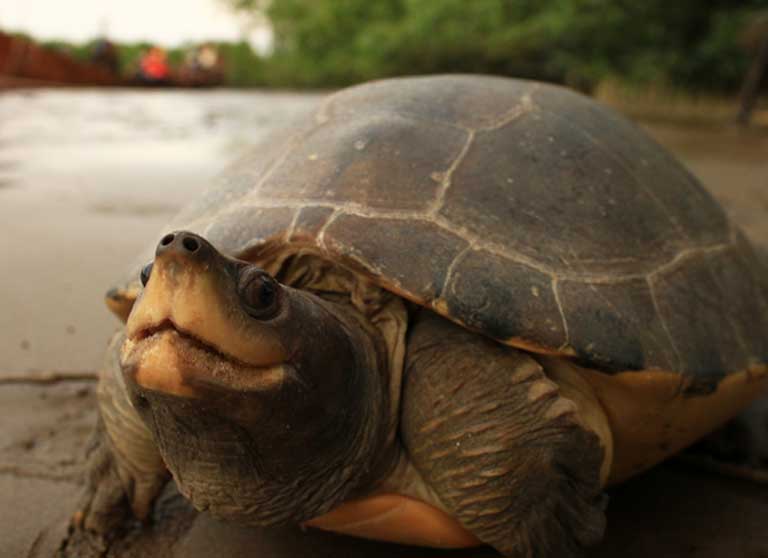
<point x="296" y="450"/>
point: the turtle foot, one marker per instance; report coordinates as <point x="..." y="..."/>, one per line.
<point x="104" y="505"/>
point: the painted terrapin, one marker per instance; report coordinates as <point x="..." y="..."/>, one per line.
<point x="442" y="311"/>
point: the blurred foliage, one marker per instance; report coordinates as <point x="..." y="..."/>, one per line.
<point x="692" y="44"/>
<point x="242" y="66"/>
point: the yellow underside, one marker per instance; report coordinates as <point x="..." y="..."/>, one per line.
<point x="651" y="418"/>
<point x="398" y="519"/>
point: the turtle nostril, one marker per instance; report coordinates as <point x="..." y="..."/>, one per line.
<point x="167" y="239"/>
<point x="190" y="244"/>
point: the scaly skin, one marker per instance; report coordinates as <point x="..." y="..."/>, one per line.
<point x="501" y="446"/>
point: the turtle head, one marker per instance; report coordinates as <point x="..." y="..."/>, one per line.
<point x="268" y="404"/>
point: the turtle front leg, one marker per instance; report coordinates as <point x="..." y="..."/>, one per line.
<point x="124" y="469"/>
<point x="518" y="463"/>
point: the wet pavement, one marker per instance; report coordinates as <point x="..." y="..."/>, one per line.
<point x="86" y="180"/>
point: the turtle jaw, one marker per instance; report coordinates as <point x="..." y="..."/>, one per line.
<point x="188" y="333"/>
<point x="169" y="360"/>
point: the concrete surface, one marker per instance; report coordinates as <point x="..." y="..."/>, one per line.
<point x="87" y="178"/>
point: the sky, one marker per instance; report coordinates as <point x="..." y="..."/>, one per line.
<point x="167" y="22"/>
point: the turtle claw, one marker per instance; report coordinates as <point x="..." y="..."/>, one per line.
<point x="104" y="506"/>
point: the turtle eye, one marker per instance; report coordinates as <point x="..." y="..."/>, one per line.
<point x="146" y="271"/>
<point x="259" y="293"/>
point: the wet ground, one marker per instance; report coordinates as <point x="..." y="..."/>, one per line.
<point x="86" y="180"/>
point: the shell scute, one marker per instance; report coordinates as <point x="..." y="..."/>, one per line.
<point x="483" y="282"/>
<point x="615" y="326"/>
<point x="546" y="189"/>
<point x="717" y="320"/>
<point x="243" y="227"/>
<point x="369" y="162"/>
<point x="453" y="100"/>
<point x="647" y="167"/>
<point x="411" y="256"/>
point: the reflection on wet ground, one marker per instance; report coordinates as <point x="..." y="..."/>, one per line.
<point x="81" y="146"/>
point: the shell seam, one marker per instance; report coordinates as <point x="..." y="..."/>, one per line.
<point x="558" y="302"/>
<point x="357" y="210"/>
<point x="525" y="106"/>
<point x="657" y="308"/>
<point x="292" y="227"/>
<point x="445" y="183"/>
<point x="451" y="268"/>
<point x="321" y="233"/>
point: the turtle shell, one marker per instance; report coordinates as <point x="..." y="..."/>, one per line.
<point x="523" y="211"/>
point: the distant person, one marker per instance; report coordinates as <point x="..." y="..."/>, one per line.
<point x="202" y="67"/>
<point x="207" y="57"/>
<point x="153" y="67"/>
<point x="104" y="54"/>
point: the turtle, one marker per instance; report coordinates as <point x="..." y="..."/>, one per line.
<point x="443" y="310"/>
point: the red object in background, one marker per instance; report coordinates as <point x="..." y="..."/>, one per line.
<point x="154" y="65"/>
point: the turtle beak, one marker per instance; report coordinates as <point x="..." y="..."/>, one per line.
<point x="186" y="287"/>
<point x="187" y="326"/>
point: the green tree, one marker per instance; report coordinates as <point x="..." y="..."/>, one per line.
<point x="689" y="43"/>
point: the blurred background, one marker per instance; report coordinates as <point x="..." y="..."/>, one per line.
<point x="113" y="114"/>
<point x="685" y="55"/>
